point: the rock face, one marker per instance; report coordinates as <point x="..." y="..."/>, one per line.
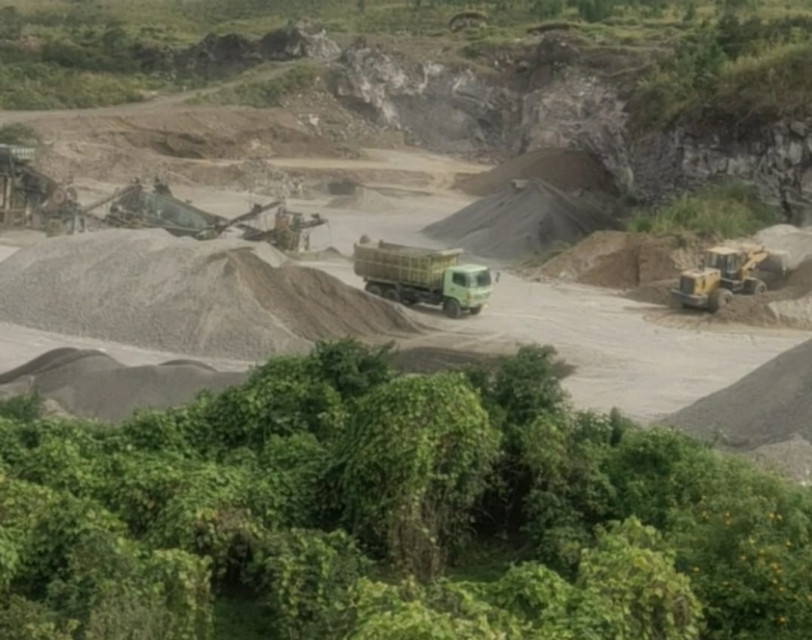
<point x="552" y="97"/>
<point x="220" y="55"/>
<point x="453" y="110"/>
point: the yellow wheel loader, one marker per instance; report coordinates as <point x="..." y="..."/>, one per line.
<point x="725" y="272"/>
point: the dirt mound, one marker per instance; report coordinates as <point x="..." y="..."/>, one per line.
<point x="220" y="298"/>
<point x="91" y="384"/>
<point x="789" y="305"/>
<point x="786" y="237"/>
<point x="620" y="260"/>
<point x="362" y="200"/>
<point x="523" y="219"/>
<point x="565" y="169"/>
<point x="770" y="405"/>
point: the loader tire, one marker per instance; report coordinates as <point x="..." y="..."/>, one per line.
<point x="374" y="289"/>
<point x="720" y="298"/>
<point x="393" y="295"/>
<point x="757" y="287"/>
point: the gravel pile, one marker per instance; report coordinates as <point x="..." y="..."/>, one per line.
<point x="91" y="384"/>
<point x="220" y="298"/>
<point x="565" y="169"/>
<point x="366" y="200"/>
<point x="770" y="405"/>
<point x="786" y="237"/>
<point x="526" y="219"/>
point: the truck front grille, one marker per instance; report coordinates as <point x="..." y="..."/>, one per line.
<point x="686" y="285"/>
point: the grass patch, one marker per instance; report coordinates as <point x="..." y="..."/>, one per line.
<point x="19" y="134"/>
<point x="32" y="86"/>
<point x="770" y="85"/>
<point x="730" y="210"/>
<point x="262" y="93"/>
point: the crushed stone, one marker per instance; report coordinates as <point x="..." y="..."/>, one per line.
<point x="220" y="298"/>
<point x="564" y="169"/>
<point x="520" y="222"/>
<point x="770" y="405"/>
<point x="90" y="384"/>
<point x="362" y="199"/>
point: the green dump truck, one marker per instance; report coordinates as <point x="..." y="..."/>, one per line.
<point x="411" y="274"/>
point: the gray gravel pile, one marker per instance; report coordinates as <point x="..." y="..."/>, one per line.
<point x="220" y="298"/>
<point x="772" y="404"/>
<point x="91" y="384"/>
<point x="519" y="221"/>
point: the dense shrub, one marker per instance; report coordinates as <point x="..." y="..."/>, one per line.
<point x="329" y="497"/>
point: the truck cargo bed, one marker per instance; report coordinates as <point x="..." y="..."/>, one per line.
<point x="402" y="264"/>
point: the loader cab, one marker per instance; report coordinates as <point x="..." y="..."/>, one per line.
<point x="728" y="261"/>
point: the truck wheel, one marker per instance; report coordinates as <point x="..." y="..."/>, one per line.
<point x="475" y="311"/>
<point x="392" y="294"/>
<point x="374" y="289"/>
<point x="720" y="298"/>
<point x="452" y="308"/>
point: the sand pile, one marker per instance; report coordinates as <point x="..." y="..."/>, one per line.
<point x="564" y="169"/>
<point x="619" y="260"/>
<point x="526" y="219"/>
<point x="220" y="298"/>
<point x="362" y="199"/>
<point x="786" y="237"/>
<point x="770" y="405"/>
<point x="91" y="384"/>
<point x="788" y="304"/>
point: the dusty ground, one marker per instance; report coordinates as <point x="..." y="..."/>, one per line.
<point x="621" y="358"/>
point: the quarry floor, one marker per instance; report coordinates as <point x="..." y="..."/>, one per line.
<point x="623" y="355"/>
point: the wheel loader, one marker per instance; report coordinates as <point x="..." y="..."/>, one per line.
<point x="725" y="272"/>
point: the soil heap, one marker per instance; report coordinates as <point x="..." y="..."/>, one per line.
<point x="220" y="298"/>
<point x="90" y="384"/>
<point x="523" y="219"/>
<point x="786" y="237"/>
<point x="770" y="405"/>
<point x="788" y="305"/>
<point x="564" y="169"/>
<point x="362" y="199"/>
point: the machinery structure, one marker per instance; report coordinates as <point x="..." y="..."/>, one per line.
<point x="725" y="272"/>
<point x="412" y="274"/>
<point x="135" y="208"/>
<point x="29" y="198"/>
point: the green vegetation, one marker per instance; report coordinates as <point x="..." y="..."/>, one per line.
<point x="730" y="210"/>
<point x="330" y="497"/>
<point x="18" y="134"/>
<point x="742" y="72"/>
<point x="744" y="60"/>
<point x="261" y="93"/>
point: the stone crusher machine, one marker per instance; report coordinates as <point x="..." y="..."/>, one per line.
<point x="726" y="272"/>
<point x="135" y="208"/>
<point x="29" y="198"/>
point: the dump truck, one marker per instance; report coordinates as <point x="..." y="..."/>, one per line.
<point x="412" y="275"/>
<point x="725" y="272"/>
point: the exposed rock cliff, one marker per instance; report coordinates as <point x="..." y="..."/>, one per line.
<point x="556" y="96"/>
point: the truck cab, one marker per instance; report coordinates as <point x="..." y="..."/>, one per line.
<point x="466" y="287"/>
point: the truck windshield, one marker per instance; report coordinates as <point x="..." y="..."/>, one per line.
<point x="482" y="278"/>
